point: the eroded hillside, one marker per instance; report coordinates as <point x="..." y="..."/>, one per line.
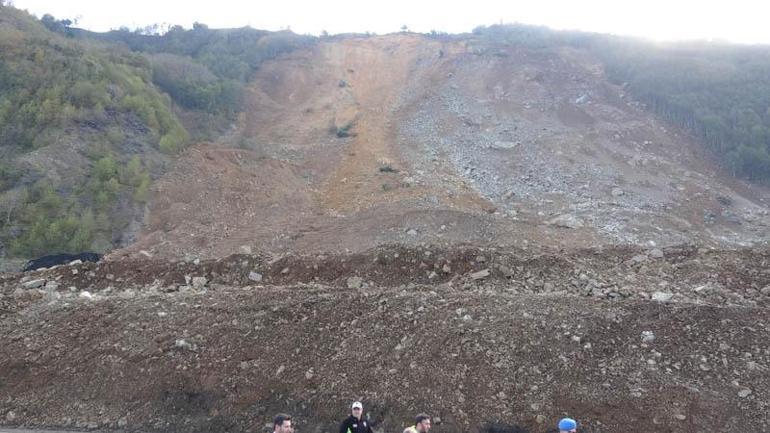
<point x="357" y="142"/>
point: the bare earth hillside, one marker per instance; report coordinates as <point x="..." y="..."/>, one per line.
<point x="401" y="138"/>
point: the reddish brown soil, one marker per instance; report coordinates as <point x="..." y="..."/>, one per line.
<point x="145" y="351"/>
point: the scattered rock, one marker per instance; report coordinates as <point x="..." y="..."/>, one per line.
<point x="617" y="192"/>
<point x="662" y="296"/>
<point x="648" y="336"/>
<point x="504" y="145"/>
<point x="199" y="283"/>
<point x="507" y="272"/>
<point x="355" y="282"/>
<point x="480" y="275"/>
<point x="639" y="258"/>
<point x="744" y="393"/>
<point x="566" y="221"/>
<point x="584" y="98"/>
<point x="656" y="253"/>
<point x="33" y="284"/>
<point x="186" y="345"/>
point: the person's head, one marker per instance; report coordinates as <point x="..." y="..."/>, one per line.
<point x="567" y="425"/>
<point x="282" y="423"/>
<point x="357" y="409"/>
<point x="422" y="423"/>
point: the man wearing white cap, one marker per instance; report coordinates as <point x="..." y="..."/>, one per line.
<point x="356" y="423"/>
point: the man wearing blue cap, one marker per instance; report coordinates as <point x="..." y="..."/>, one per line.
<point x="567" y="425"/>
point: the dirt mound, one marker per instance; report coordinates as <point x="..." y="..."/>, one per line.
<point x="683" y="273"/>
<point x="161" y="346"/>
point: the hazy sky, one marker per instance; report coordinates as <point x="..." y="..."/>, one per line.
<point x="736" y="20"/>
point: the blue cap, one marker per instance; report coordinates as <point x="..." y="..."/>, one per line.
<point x="567" y="424"/>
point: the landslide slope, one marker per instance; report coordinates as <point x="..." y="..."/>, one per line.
<point x="362" y="141"/>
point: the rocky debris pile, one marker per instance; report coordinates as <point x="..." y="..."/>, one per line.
<point x="522" y="150"/>
<point x="226" y="358"/>
<point x="674" y="274"/>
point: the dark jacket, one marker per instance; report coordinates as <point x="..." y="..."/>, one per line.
<point x="353" y="425"/>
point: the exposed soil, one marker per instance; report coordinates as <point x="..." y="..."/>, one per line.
<point x="150" y="346"/>
<point x="357" y="142"/>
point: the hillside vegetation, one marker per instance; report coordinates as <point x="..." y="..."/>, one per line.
<point x="112" y="103"/>
<point x="77" y="125"/>
<point x="205" y="70"/>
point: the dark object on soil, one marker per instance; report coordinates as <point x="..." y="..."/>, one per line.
<point x="59" y="259"/>
<point x="388" y="169"/>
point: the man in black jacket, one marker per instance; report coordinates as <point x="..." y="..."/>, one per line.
<point x="356" y="423"/>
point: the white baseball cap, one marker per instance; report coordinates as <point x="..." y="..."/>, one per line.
<point x="357" y="404"/>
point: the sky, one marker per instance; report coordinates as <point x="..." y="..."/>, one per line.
<point x="740" y="21"/>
